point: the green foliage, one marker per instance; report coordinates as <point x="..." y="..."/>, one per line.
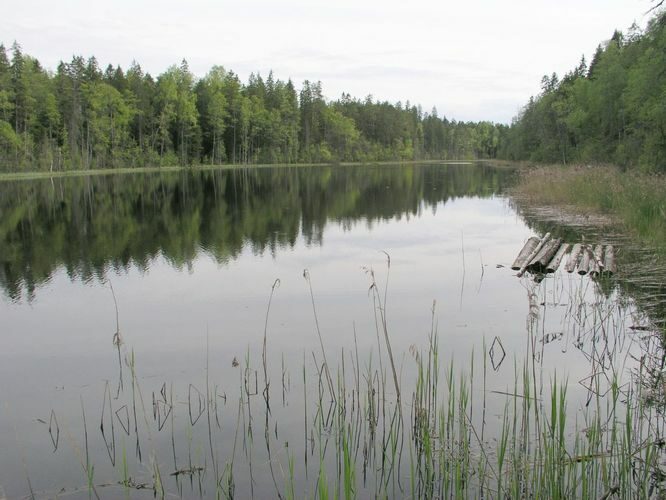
<point x="82" y="118"/>
<point x="108" y="121"/>
<point x="8" y="138"/>
<point x="614" y="112"/>
<point x="213" y="112"/>
<point x="178" y="119"/>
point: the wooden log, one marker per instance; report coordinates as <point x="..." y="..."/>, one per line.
<point x="574" y="256"/>
<point x="609" y="260"/>
<point x="554" y="264"/>
<point x="546" y="254"/>
<point x="593" y="270"/>
<point x="527" y="250"/>
<point x="598" y="257"/>
<point x="543" y="241"/>
<point x="584" y="260"/>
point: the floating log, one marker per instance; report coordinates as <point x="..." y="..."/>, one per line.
<point x="546" y="254"/>
<point x="527" y="250"/>
<point x="598" y="257"/>
<point x="543" y="241"/>
<point x="594" y="269"/>
<point x="554" y="264"/>
<point x="573" y="258"/>
<point x="584" y="260"/>
<point x="609" y="260"/>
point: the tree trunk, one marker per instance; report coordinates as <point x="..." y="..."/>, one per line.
<point x="598" y="257"/>
<point x="574" y="256"/>
<point x="554" y="264"/>
<point x="543" y="241"/>
<point x="212" y="155"/>
<point x="527" y="250"/>
<point x="593" y="269"/>
<point x="548" y="251"/>
<point x="585" y="260"/>
<point x="609" y="260"/>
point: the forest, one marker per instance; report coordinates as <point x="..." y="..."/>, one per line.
<point x="82" y="117"/>
<point x="610" y="111"/>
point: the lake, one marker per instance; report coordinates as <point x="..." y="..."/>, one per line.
<point x="195" y="333"/>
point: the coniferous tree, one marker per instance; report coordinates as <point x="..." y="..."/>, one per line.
<point x="84" y="117"/>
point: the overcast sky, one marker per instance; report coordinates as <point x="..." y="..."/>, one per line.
<point x="474" y="60"/>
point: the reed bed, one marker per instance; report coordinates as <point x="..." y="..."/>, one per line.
<point x="343" y="425"/>
<point x="635" y="201"/>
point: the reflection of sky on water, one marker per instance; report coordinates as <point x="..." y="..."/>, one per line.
<point x="59" y="346"/>
<point x="426" y="265"/>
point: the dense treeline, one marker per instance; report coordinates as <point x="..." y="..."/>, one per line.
<point x="83" y="117"/>
<point x="612" y="111"/>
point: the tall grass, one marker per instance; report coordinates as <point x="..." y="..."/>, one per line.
<point x="366" y="432"/>
<point x="635" y="200"/>
<point x="535" y="452"/>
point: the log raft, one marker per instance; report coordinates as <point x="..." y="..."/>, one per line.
<point x="609" y="260"/>
<point x="598" y="258"/>
<point x="554" y="264"/>
<point x="532" y="255"/>
<point x="543" y="258"/>
<point x="574" y="257"/>
<point x="539" y="256"/>
<point x="593" y="270"/>
<point x="584" y="265"/>
<point x="527" y="250"/>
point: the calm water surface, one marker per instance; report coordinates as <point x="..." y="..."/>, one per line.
<point x="192" y="257"/>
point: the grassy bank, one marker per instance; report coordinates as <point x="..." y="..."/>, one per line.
<point x="636" y="201"/>
<point x="32" y="175"/>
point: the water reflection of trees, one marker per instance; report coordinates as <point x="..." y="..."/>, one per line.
<point x="91" y="224"/>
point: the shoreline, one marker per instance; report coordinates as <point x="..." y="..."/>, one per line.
<point x="34" y="175"/>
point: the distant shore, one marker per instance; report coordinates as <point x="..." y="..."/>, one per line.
<point x="14" y="176"/>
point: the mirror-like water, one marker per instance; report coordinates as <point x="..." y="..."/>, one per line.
<point x="136" y="310"/>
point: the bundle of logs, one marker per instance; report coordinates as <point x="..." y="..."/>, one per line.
<point x="546" y="254"/>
